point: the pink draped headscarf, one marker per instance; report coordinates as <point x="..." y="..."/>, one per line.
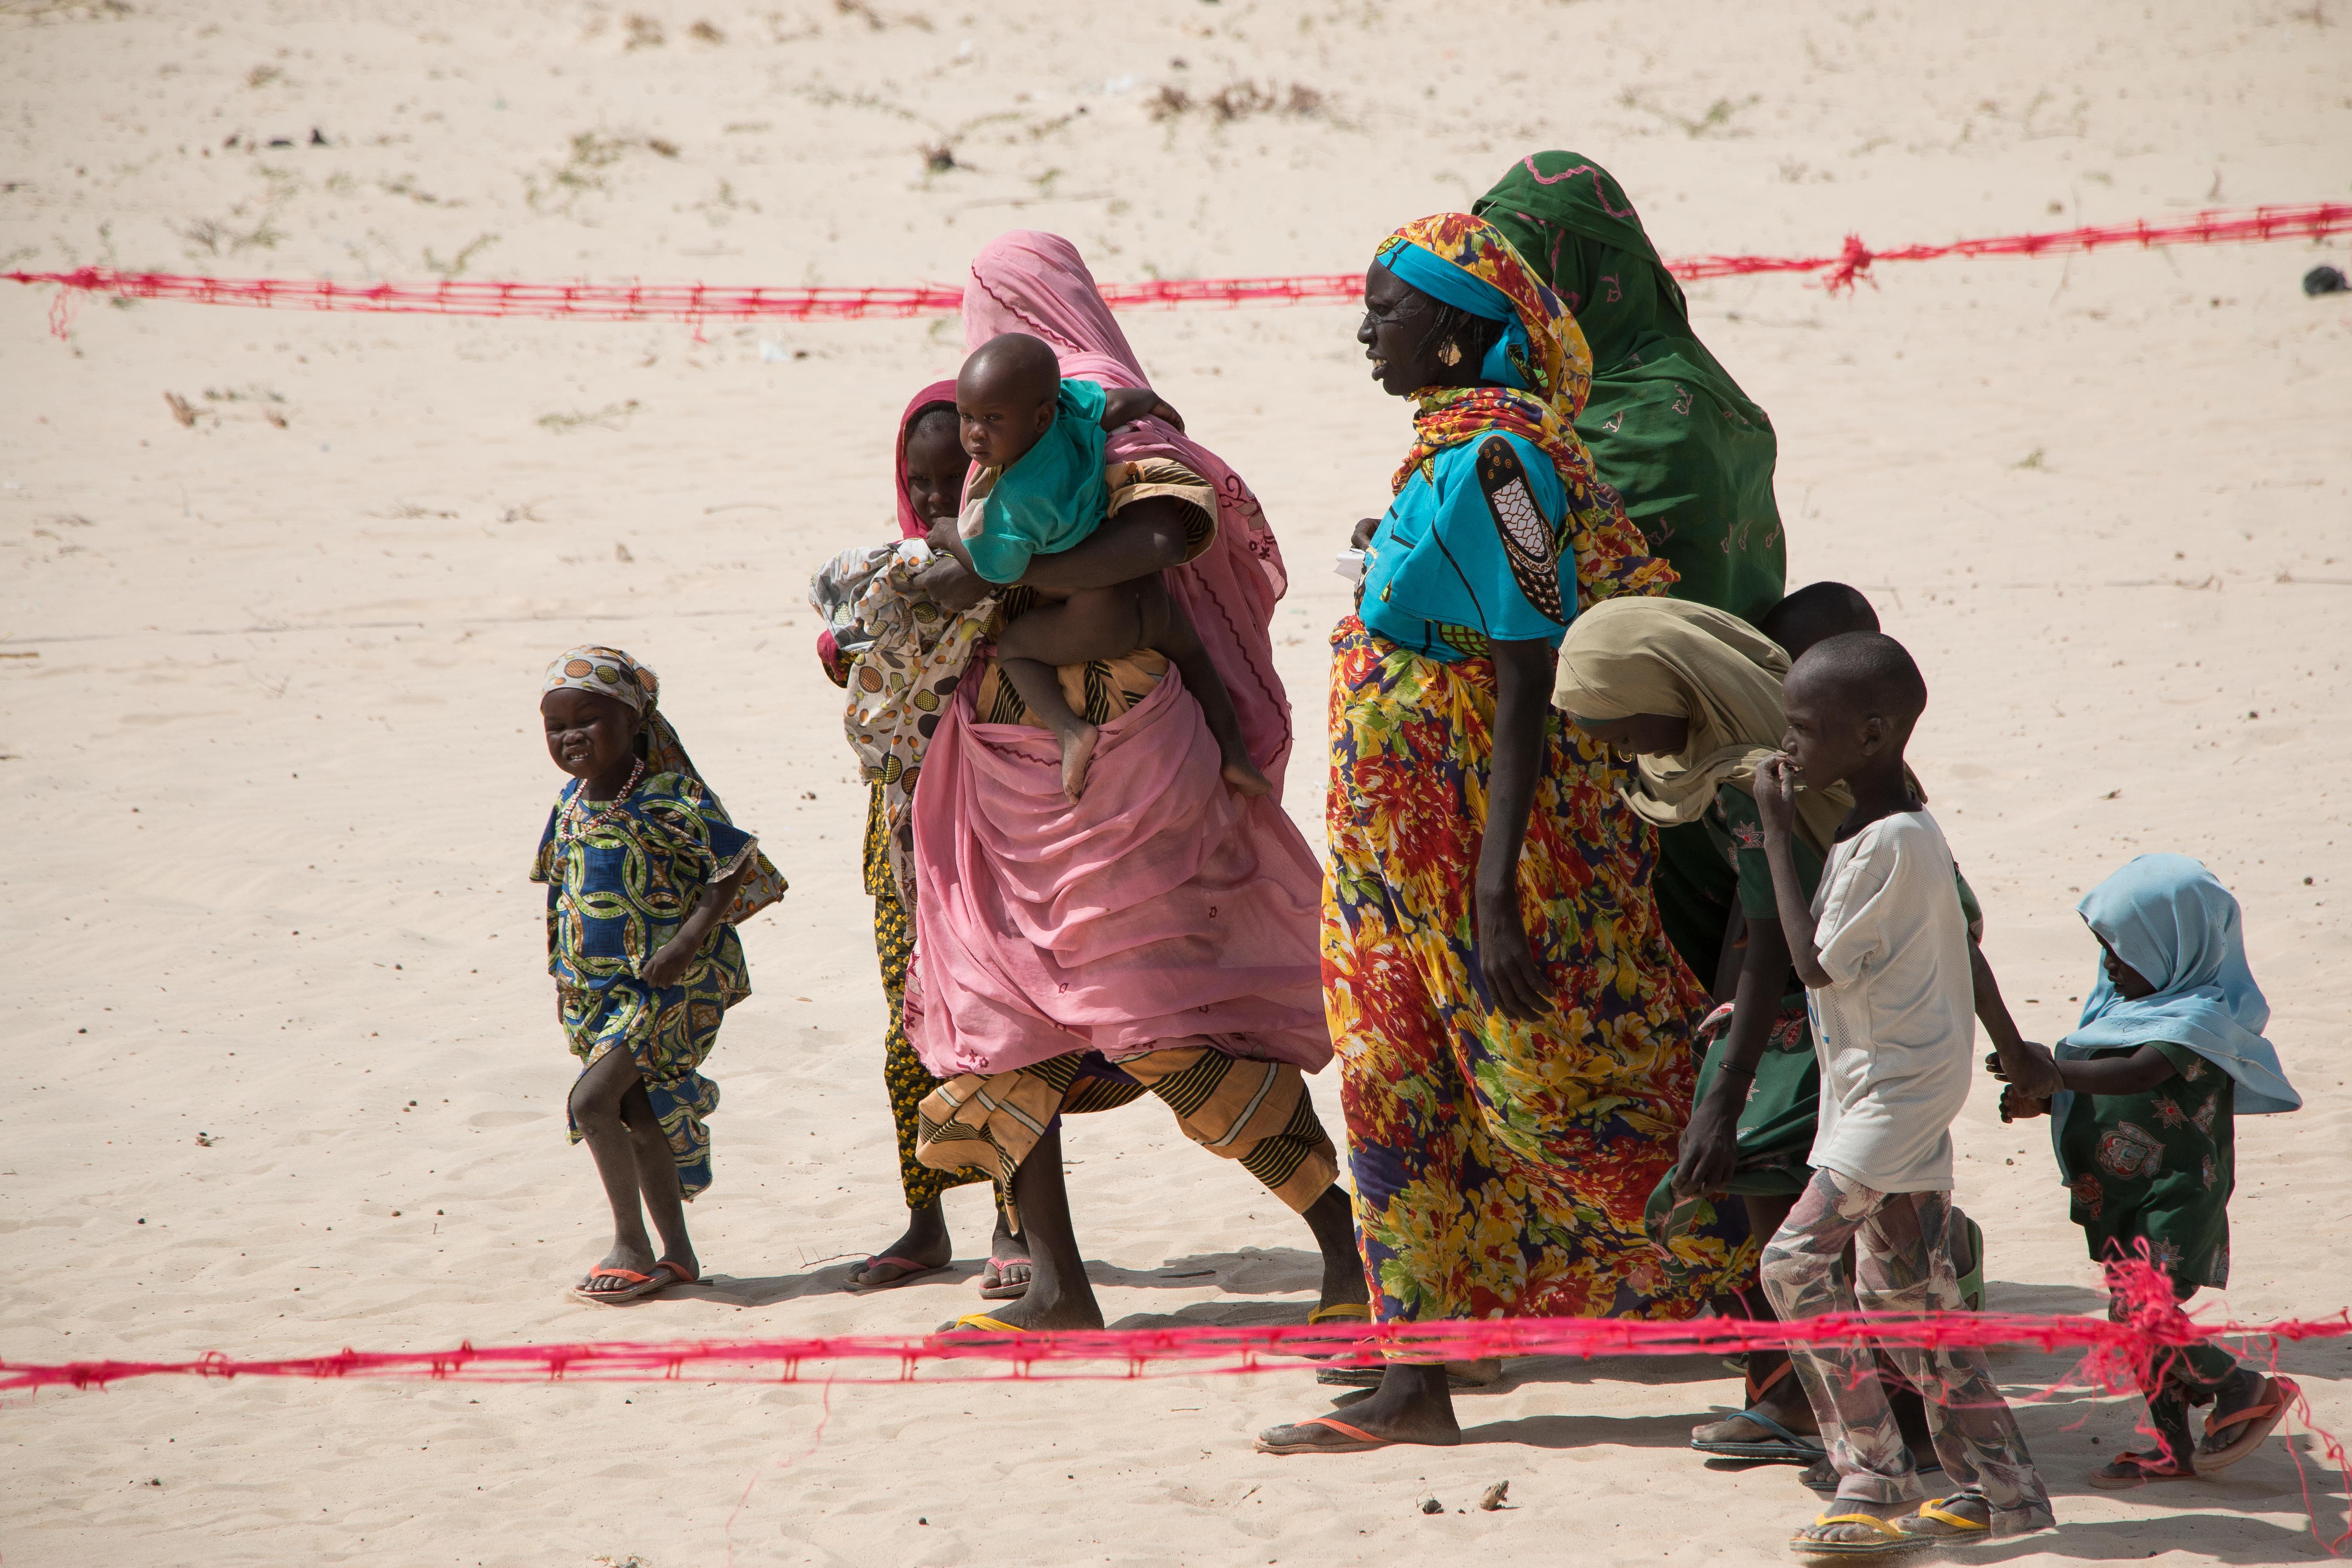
<point x="909" y="525"/>
<point x="1163" y="909"/>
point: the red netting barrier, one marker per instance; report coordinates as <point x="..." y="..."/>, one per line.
<point x="700" y="302"/>
<point x="2119" y="1354"/>
<point x="2116" y="1352"/>
<point x="2316" y="220"/>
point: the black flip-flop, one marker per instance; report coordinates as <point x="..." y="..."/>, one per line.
<point x="1780" y="1446"/>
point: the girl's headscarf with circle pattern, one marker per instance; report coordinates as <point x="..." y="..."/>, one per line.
<point x="609" y="672"/>
<point x="1533" y="387"/>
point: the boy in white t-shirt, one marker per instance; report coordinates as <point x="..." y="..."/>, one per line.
<point x="1885" y="955"/>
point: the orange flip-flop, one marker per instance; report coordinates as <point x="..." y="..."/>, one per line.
<point x="2256" y="1422"/>
<point x="636" y="1282"/>
<point x="667" y="1273"/>
<point x="1355" y="1439"/>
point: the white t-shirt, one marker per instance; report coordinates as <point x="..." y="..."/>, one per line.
<point x="1895" y="1029"/>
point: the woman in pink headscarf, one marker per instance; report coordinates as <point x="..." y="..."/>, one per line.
<point x="927" y="471"/>
<point x="1159" y="934"/>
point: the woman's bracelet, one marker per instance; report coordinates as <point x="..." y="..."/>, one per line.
<point x="1735" y="1066"/>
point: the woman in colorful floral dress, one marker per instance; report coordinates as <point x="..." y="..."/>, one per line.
<point x="1514" y="1030"/>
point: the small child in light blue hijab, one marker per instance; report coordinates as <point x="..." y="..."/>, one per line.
<point x="2168" y="1052"/>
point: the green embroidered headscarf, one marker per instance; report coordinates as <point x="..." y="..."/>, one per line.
<point x="1667" y="426"/>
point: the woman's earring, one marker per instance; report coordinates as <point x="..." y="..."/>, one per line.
<point x="1451" y="353"/>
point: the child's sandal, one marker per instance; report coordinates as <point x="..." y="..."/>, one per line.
<point x="2256" y="1421"/>
<point x="2127" y="1470"/>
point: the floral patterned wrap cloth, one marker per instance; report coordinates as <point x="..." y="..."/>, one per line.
<point x="906" y="658"/>
<point x="1501" y="1167"/>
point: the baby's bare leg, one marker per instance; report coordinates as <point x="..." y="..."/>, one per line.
<point x="1098" y="623"/>
<point x="1169" y="629"/>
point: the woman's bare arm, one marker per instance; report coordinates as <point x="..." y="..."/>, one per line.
<point x="1147" y="537"/>
<point x="1523" y="673"/>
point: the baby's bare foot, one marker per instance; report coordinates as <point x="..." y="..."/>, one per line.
<point x="1077" y="754"/>
<point x="1243" y="776"/>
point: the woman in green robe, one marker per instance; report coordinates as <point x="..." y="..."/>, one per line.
<point x="1685" y="449"/>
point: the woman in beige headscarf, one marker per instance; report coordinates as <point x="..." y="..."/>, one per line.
<point x="1694" y="695"/>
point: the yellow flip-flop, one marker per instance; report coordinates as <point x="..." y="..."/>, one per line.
<point x="1341" y="1312"/>
<point x="1886" y="1540"/>
<point x="982" y="1320"/>
<point x="1944" y="1524"/>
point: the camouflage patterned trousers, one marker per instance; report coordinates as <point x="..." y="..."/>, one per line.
<point x="1903" y="1264"/>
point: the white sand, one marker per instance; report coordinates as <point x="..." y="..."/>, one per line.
<point x="269" y="726"/>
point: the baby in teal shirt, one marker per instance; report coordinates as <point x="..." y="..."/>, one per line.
<point x="1042" y="445"/>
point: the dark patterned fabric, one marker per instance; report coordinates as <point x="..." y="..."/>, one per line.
<point x="2157" y="1168"/>
<point x="621" y="879"/>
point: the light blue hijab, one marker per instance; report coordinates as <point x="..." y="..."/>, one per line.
<point x="2168" y="917"/>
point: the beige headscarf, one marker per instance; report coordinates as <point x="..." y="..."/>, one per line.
<point x="1628" y="655"/>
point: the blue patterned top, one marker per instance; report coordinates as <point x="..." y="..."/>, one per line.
<point x="1473" y="550"/>
<point x="618" y="892"/>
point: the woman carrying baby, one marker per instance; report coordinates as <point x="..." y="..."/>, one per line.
<point x="1158" y="933"/>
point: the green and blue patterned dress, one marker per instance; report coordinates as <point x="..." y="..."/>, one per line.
<point x="620" y="881"/>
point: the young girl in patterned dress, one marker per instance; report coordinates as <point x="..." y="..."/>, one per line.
<point x="2169" y="1051"/>
<point x="646" y="881"/>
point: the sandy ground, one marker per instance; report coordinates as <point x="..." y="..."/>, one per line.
<point x="267" y="707"/>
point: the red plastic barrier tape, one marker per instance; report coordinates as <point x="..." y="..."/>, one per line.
<point x="705" y="302"/>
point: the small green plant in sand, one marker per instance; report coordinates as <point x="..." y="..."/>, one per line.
<point x="612" y="416"/>
<point x="1237" y="101"/>
<point x="455" y="265"/>
<point x="594" y="153"/>
<point x="1715" y="120"/>
<point x="231" y="235"/>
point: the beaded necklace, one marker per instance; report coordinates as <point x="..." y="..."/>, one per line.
<point x="574" y="828"/>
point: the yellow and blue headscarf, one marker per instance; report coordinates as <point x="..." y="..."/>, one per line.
<point x="1511" y="361"/>
<point x="1533" y="385"/>
<point x="1470" y="264"/>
